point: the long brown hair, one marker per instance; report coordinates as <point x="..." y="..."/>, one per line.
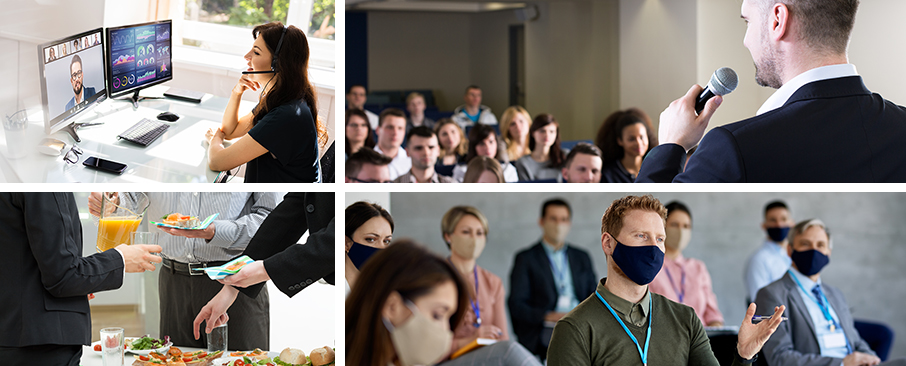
<point x="556" y="153"/>
<point x="291" y="80"/>
<point x="408" y="269"/>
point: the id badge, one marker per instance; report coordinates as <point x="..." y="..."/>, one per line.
<point x="834" y="340"/>
<point x="563" y="303"/>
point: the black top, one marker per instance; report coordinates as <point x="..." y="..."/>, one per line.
<point x="289" y="134"/>
<point x="614" y="172"/>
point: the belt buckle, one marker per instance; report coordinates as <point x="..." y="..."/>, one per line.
<point x="197" y="269"/>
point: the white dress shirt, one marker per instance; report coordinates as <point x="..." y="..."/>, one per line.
<point x="399" y="165"/>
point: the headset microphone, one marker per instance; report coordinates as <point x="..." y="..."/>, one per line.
<point x="273" y="69"/>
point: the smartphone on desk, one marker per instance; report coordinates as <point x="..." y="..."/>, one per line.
<point x="104" y="165"/>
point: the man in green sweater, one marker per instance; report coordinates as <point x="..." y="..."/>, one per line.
<point x="623" y="323"/>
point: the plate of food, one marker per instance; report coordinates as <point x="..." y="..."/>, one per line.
<point x="323" y="356"/>
<point x="230" y="268"/>
<point x="175" y="356"/>
<point x="96" y="348"/>
<point x="146" y="345"/>
<point x="186" y="222"/>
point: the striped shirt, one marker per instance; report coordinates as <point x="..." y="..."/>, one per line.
<point x="241" y="213"/>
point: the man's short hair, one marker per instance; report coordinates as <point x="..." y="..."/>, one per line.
<point x="802" y="226"/>
<point x="395" y="112"/>
<point x="582" y="148"/>
<point x="612" y="221"/>
<point x="75" y="59"/>
<point x="775" y="204"/>
<point x="470" y="87"/>
<point x="414" y="95"/>
<point x="349" y="90"/>
<point x="365" y="155"/>
<point x="420" y="131"/>
<point x="825" y="24"/>
<point x="556" y="202"/>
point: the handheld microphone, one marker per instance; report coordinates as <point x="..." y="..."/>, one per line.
<point x="723" y="81"/>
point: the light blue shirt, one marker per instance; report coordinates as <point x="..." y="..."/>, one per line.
<point x="822" y="325"/>
<point x="563" y="277"/>
<point x="766" y="265"/>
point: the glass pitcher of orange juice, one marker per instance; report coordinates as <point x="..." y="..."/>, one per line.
<point x="120" y="215"/>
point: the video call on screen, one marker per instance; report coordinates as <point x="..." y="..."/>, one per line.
<point x="58" y="67"/>
<point x="139" y="55"/>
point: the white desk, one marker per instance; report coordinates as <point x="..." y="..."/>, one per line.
<point x="179" y="156"/>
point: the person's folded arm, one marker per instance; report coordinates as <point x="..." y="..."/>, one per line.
<point x="237" y="233"/>
<point x="222" y="158"/>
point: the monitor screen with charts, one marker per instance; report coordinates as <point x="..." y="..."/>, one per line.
<point x="138" y="56"/>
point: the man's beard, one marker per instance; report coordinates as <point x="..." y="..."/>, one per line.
<point x="768" y="72"/>
<point x="77" y="91"/>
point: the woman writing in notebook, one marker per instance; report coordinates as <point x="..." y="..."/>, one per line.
<point x="281" y="136"/>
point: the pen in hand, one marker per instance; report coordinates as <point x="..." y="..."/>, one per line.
<point x="758" y="318"/>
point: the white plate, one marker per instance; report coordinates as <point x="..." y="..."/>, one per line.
<point x="145" y="352"/>
<point x="99" y="353"/>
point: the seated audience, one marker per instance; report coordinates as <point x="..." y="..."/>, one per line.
<point x="623" y="317"/>
<point x="820" y="328"/>
<point x="770" y="261"/>
<point x="423" y="150"/>
<point x="548" y="279"/>
<point x="465" y="230"/>
<point x="453" y="143"/>
<point x="358" y="131"/>
<point x="415" y="105"/>
<point x="483" y="141"/>
<point x="356" y="97"/>
<point x="546" y="158"/>
<point x="583" y="165"/>
<point x="367" y="166"/>
<point x="624" y="138"/>
<point x="369" y="228"/>
<point x="483" y="169"/>
<point x="473" y="112"/>
<point x="514" y="127"/>
<point x="681" y="279"/>
<point x="403" y="308"/>
<point x="390" y="133"/>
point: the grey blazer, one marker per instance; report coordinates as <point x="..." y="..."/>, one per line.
<point x="794" y="342"/>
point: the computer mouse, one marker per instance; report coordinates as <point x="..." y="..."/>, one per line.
<point x="168" y="116"/>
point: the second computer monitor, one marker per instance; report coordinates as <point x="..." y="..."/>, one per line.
<point x="138" y="56"/>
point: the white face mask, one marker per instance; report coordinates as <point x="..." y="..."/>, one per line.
<point x="678" y="238"/>
<point x="419" y="340"/>
<point x="555" y="231"/>
<point x="467" y="247"/>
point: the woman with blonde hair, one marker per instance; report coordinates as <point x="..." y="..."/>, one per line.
<point x="514" y="124"/>
<point x="452" y="141"/>
<point x="484" y="169"/>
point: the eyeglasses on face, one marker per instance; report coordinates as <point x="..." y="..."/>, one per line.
<point x="76" y="75"/>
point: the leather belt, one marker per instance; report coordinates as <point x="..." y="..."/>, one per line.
<point x="190" y="269"/>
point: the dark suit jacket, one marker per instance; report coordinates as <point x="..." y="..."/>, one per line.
<point x="46" y="281"/>
<point x="794" y="342"/>
<point x="295" y="267"/>
<point x="832" y="130"/>
<point x="533" y="292"/>
<point x="89" y="92"/>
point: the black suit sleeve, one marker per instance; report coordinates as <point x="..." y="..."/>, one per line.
<point x="279" y="233"/>
<point x="717" y="160"/>
<point x="54" y="235"/>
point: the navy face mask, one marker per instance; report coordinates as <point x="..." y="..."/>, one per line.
<point x="640" y="264"/>
<point x="809" y="262"/>
<point x="777" y="234"/>
<point x="359" y="254"/>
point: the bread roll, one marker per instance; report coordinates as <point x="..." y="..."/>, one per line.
<point x="322" y="356"/>
<point x="293" y="356"/>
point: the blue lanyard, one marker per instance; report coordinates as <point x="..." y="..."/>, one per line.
<point x="824" y="309"/>
<point x="681" y="293"/>
<point x="643" y="355"/>
<point x="475" y="302"/>
<point x="561" y="286"/>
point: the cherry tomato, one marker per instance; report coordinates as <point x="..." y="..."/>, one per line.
<point x="239" y="363"/>
<point x="186" y="359"/>
<point x="97" y="347"/>
<point x="202" y="354"/>
<point x="144" y="358"/>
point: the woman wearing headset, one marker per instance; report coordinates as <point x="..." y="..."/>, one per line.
<point x="281" y="136"/>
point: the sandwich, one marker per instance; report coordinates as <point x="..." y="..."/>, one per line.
<point x="291" y="357"/>
<point x="185" y="221"/>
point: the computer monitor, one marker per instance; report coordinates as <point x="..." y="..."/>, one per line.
<point x="138" y="56"/>
<point x="72" y="77"/>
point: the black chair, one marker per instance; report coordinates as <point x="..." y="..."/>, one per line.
<point x="878" y="336"/>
